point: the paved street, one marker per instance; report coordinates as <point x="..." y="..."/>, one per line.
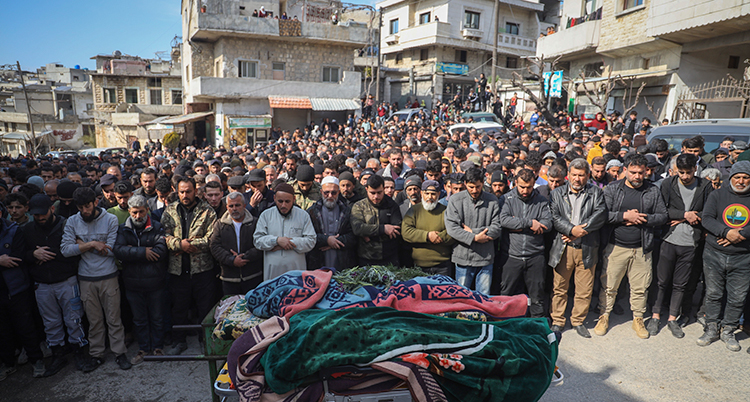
<point x="616" y="367"/>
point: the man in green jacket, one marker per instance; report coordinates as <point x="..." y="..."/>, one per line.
<point x="424" y="227"/>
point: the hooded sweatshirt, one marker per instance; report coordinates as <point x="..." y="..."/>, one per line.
<point x="93" y="266"/>
<point x="726" y="210"/>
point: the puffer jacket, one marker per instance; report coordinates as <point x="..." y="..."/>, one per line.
<point x="477" y="215"/>
<point x="369" y="220"/>
<point x="199" y="233"/>
<point x="138" y="272"/>
<point x="306" y="201"/>
<point x="224" y="241"/>
<point x="515" y="218"/>
<point x="593" y="214"/>
<point x="345" y="257"/>
<point x="652" y="204"/>
<point x="53" y="271"/>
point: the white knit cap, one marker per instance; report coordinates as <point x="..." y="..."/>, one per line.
<point x="330" y="180"/>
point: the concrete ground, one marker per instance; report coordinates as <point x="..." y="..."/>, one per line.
<point x="617" y="367"/>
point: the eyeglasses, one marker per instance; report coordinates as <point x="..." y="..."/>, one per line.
<point x="330" y="192"/>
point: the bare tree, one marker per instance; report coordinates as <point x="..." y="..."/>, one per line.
<point x="650" y="107"/>
<point x="599" y="93"/>
<point x="541" y="102"/>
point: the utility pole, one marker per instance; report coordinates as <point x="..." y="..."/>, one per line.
<point x="495" y="11"/>
<point x="28" y="105"/>
<point x="377" y="75"/>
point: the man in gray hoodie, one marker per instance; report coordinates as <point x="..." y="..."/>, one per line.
<point x="91" y="234"/>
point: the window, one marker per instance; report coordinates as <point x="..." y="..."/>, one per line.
<point x="399" y="58"/>
<point x="511" y="62"/>
<point x="154" y="82"/>
<point x="394" y="26"/>
<point x="471" y="20"/>
<point x="511" y="28"/>
<point x="424" y="18"/>
<point x="734" y="62"/>
<point x="646" y="63"/>
<point x="247" y="69"/>
<point x="424" y="54"/>
<point x="278" y="71"/>
<point x="461" y="56"/>
<point x="631" y="3"/>
<point x="330" y="74"/>
<point x="131" y="95"/>
<point x="590" y="6"/>
<point x="110" y="95"/>
<point x="155" y="95"/>
<point x="177" y="97"/>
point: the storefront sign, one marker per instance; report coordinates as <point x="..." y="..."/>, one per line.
<point x="452" y="68"/>
<point x="249" y="122"/>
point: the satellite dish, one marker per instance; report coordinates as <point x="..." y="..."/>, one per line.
<point x="117" y="53"/>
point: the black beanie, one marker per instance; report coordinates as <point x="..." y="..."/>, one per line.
<point x="305" y="173"/>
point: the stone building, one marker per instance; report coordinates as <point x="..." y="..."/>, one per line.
<point x="254" y="73"/>
<point x="129" y="91"/>
<point x="433" y="50"/>
<point x="61" y="109"/>
<point x="682" y="50"/>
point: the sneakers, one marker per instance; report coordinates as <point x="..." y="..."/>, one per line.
<point x="602" y="326"/>
<point x="158" y="352"/>
<point x="710" y="335"/>
<point x="727" y="336"/>
<point x="138" y="359"/>
<point x="38" y="369"/>
<point x="653" y="326"/>
<point x="639" y="328"/>
<point x="123" y="361"/>
<point x="5" y="371"/>
<point x="177" y="349"/>
<point x="555" y="328"/>
<point x="83" y="361"/>
<point x="93" y="364"/>
<point x="676" y="329"/>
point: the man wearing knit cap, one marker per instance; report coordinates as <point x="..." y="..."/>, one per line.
<point x="306" y="190"/>
<point x="262" y="196"/>
<point x="413" y="188"/>
<point x="335" y="243"/>
<point x="726" y="259"/>
<point x="347" y="187"/>
<point x="285" y="234"/>
<point x="424" y="228"/>
<point x="64" y="206"/>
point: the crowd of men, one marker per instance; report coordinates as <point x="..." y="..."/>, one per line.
<point x="123" y="246"/>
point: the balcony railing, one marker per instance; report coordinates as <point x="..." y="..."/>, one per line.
<point x="516" y="42"/>
<point x="577" y="39"/>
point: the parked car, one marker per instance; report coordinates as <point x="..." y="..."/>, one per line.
<point x="713" y="132"/>
<point x="484" y="127"/>
<point x="61" y="154"/>
<point x="408" y="115"/>
<point x="481" y="116"/>
<point x="98" y="151"/>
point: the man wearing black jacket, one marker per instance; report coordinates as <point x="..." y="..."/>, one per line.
<point x="141" y="247"/>
<point x="726" y="259"/>
<point x="335" y="243"/>
<point x="232" y="245"/>
<point x="684" y="196"/>
<point x="635" y="210"/>
<point x="57" y="294"/>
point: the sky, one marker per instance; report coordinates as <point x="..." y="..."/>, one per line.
<point x="38" y="32"/>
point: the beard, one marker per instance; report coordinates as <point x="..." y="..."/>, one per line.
<point x="329" y="204"/>
<point x="237" y="216"/>
<point x="47" y="223"/>
<point x="429" y="206"/>
<point x="738" y="191"/>
<point x="89" y="218"/>
<point x="577" y="187"/>
<point x="139" y="223"/>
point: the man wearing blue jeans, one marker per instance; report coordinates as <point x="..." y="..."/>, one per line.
<point x="726" y="259"/>
<point x="472" y="220"/>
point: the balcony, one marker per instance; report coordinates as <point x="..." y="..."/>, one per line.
<point x="525" y="44"/>
<point x="435" y="33"/>
<point x="210" y="27"/>
<point x="687" y="21"/>
<point x="473" y="34"/>
<point x="571" y="42"/>
<point x="391" y="39"/>
<point x="207" y="88"/>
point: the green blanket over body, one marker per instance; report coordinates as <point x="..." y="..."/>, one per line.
<point x="510" y="360"/>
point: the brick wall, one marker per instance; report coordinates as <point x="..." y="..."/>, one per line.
<point x="624" y="30"/>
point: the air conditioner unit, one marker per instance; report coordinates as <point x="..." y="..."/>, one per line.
<point x="469" y="33"/>
<point x="391" y="39"/>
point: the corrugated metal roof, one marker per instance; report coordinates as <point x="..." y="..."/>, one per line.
<point x="334" y="104"/>
<point x="288" y="102"/>
<point x="186" y="118"/>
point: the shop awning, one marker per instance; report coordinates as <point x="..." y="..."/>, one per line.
<point x="334" y="104"/>
<point x="287" y="102"/>
<point x="187" y="118"/>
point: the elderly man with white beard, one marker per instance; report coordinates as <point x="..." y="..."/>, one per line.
<point x="335" y="243"/>
<point x="424" y="227"/>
